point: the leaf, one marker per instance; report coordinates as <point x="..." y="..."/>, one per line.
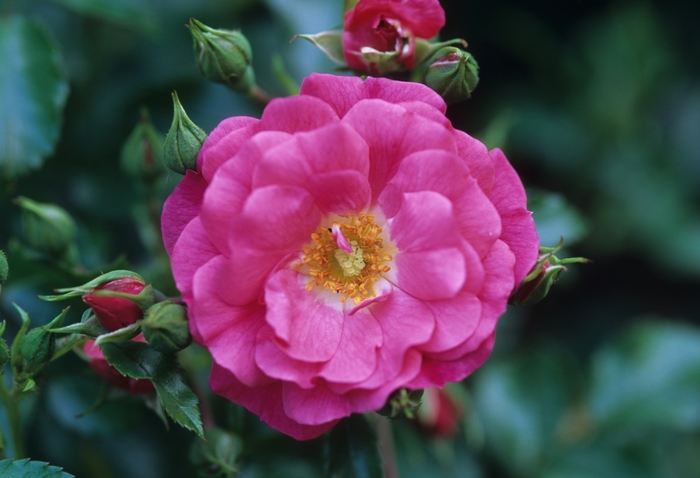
<point x="34" y="469"/>
<point x="352" y="450"/>
<point x="33" y="91"/>
<point x="650" y="379"/>
<point x="137" y="360"/>
<point x="329" y="43"/>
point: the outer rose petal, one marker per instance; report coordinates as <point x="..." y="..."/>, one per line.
<point x="264" y="401"/>
<point x="181" y="207"/>
<point x="508" y="195"/>
<point x="424" y="18"/>
<point x="342" y="93"/>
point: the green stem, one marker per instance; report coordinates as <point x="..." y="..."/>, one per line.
<point x="259" y="95"/>
<point x="10" y="398"/>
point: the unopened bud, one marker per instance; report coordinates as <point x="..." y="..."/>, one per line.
<point x="46" y="228"/>
<point x="453" y="73"/>
<point x="217" y="455"/>
<point x="183" y="141"/>
<point x="38" y="346"/>
<point x="537" y="289"/>
<point x="166" y="328"/>
<point x="114" y="311"/>
<point x="142" y="149"/>
<point x="223" y="56"/>
<point x="402" y="404"/>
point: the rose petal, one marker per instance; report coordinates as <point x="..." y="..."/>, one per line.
<point x="181" y="207"/>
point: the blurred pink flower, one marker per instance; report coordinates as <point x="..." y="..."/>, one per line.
<point x="379" y="36"/>
<point x="349" y="243"/>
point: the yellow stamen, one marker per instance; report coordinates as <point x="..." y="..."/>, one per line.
<point x="350" y="274"/>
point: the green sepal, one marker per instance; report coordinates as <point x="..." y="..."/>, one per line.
<point x="425" y="49"/>
<point x="329" y="42"/>
<point x="138" y="360"/>
<point x="402" y="403"/>
<point x="166" y="328"/>
<point x="144" y="299"/>
<point x="14" y="351"/>
<point x="352" y="450"/>
<point x="89" y="326"/>
<point x="120" y="335"/>
<point x="68" y="292"/>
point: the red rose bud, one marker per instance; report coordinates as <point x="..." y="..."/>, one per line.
<point x="46" y="228"/>
<point x="183" y="141"/>
<point x="99" y="364"/>
<point x="112" y="311"/>
<point x="439" y="415"/>
<point x="142" y="150"/>
<point x="223" y="56"/>
<point x="379" y="36"/>
<point x="453" y="73"/>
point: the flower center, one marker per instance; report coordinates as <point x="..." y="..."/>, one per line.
<point x="347" y="258"/>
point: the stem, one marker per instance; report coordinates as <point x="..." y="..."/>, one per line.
<point x="386" y="447"/>
<point x="259" y="95"/>
<point x="11" y="401"/>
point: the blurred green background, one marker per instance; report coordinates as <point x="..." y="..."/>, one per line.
<point x="595" y="102"/>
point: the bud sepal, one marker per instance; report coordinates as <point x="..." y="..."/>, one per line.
<point x="165" y="327"/>
<point x="183" y="141"/>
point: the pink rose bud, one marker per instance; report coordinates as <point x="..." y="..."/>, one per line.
<point x="116" y="312"/>
<point x="99" y="364"/>
<point x="379" y="36"/>
<point x="439" y="414"/>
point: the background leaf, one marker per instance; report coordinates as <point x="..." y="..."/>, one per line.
<point x="33" y="469"/>
<point x="33" y="91"/>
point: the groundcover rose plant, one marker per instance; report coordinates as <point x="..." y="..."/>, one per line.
<point x="349" y="243"/>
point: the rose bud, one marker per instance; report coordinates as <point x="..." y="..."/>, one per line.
<point x="183" y="141"/>
<point x="113" y="311"/>
<point x="402" y="404"/>
<point x="38" y="346"/>
<point x="142" y="149"/>
<point x="223" y="56"/>
<point x="453" y="74"/>
<point x="379" y="36"/>
<point x="46" y="228"/>
<point x="439" y="415"/>
<point x="99" y="364"/>
<point x="165" y="327"/>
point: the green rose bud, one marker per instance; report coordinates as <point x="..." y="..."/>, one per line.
<point x="223" y="56"/>
<point x="3" y="269"/>
<point x="46" y="228"/>
<point x="142" y="149"/>
<point x="402" y="404"/>
<point x="218" y="455"/>
<point x="38" y="346"/>
<point x="165" y="327"/>
<point x="183" y="141"/>
<point x="453" y="73"/>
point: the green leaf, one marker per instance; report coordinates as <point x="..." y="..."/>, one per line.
<point x="137" y="360"/>
<point x="521" y="402"/>
<point x="34" y="469"/>
<point x="353" y="450"/>
<point x="650" y="379"/>
<point x="33" y="91"/>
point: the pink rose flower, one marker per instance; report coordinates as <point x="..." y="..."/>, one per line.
<point x="99" y="364"/>
<point x="349" y="243"/>
<point x="379" y="36"/>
